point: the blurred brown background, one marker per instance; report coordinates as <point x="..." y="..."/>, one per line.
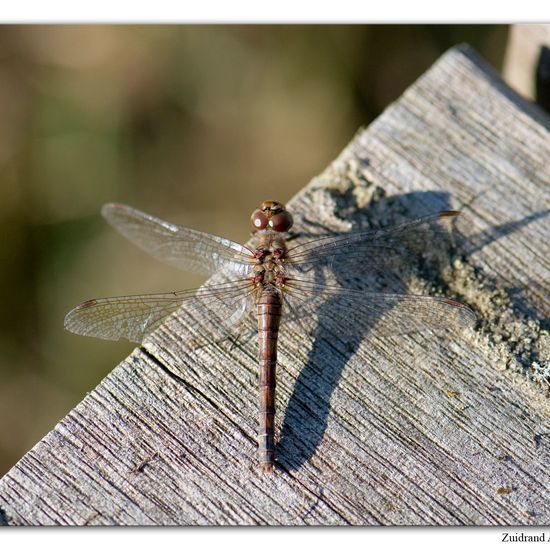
<point x="196" y="124"/>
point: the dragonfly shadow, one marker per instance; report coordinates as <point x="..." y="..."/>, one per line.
<point x="307" y="412"/>
<point x="483" y="238"/>
<point x="518" y="295"/>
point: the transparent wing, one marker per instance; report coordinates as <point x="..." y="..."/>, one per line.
<point x="352" y="312"/>
<point x="133" y="317"/>
<point x="178" y="246"/>
<point x="375" y="250"/>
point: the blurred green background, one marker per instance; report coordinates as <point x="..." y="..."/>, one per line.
<point x="196" y="124"/>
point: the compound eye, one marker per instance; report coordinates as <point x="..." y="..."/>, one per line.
<point x="281" y="222"/>
<point x="258" y="220"/>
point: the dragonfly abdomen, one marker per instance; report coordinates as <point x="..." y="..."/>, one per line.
<point x="269" y="314"/>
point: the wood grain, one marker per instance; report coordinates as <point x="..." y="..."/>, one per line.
<point x="396" y="430"/>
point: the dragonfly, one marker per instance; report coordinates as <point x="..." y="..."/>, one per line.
<point x="272" y="282"/>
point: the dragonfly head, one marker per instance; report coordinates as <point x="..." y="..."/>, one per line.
<point x="271" y="215"/>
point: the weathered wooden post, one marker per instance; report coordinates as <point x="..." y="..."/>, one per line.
<point x="402" y="431"/>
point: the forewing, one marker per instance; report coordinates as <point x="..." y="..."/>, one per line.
<point x="179" y="246"/>
<point x="373" y="251"/>
<point x="133" y="317"/>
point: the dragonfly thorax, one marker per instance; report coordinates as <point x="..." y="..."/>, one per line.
<point x="270" y="256"/>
